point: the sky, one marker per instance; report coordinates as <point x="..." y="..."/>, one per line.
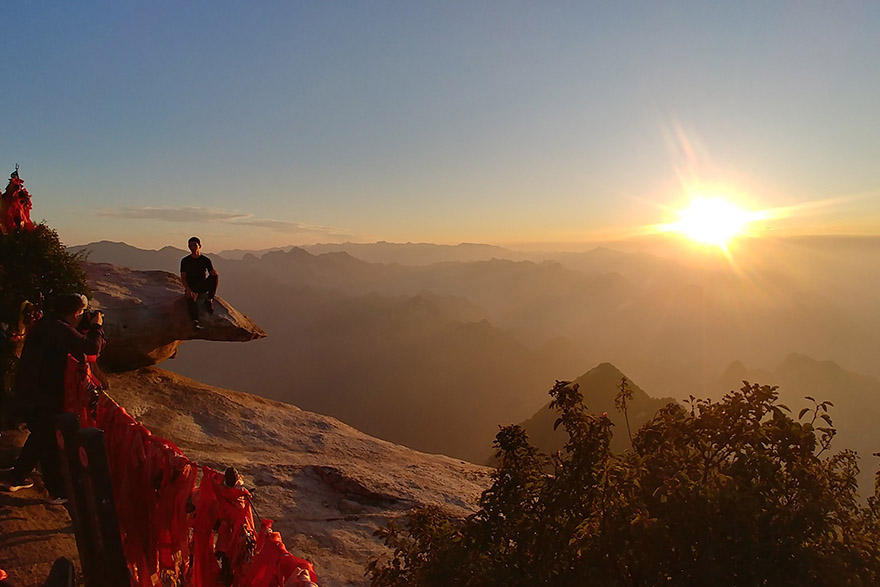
<point x="265" y="124"/>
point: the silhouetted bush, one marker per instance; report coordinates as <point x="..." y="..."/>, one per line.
<point x="734" y="492"/>
<point x="33" y="265"/>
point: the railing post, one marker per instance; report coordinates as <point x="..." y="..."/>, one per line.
<point x="93" y="509"/>
<point x="101" y="505"/>
<point x="66" y="428"/>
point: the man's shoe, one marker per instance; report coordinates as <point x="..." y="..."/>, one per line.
<point x="56" y="501"/>
<point x="197" y="325"/>
<point x="18" y="485"/>
<point x="209" y="305"/>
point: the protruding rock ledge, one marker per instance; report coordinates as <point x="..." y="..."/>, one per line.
<point x="146" y="319"/>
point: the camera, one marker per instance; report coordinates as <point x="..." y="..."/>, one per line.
<point x="88" y="318"/>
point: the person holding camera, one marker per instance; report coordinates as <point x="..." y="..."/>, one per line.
<point x="39" y="386"/>
<point x="198" y="276"/>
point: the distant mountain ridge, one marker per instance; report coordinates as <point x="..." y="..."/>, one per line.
<point x="418" y="253"/>
<point x="391" y="253"/>
<point x="856" y="399"/>
<point x="238" y="254"/>
<point x="124" y="255"/>
<point x="377" y="333"/>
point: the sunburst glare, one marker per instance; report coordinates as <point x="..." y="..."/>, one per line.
<point x="712" y="221"/>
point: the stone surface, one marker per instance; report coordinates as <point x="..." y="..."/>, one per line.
<point x="327" y="486"/>
<point x="146" y="319"/>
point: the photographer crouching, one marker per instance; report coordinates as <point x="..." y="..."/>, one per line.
<point x="39" y="387"/>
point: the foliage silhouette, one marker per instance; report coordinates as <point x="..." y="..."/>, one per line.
<point x="34" y="265"/>
<point x="733" y="492"/>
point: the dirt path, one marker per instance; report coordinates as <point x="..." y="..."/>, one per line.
<point x="32" y="533"/>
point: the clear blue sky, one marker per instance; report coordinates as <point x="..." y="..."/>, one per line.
<point x="258" y="124"/>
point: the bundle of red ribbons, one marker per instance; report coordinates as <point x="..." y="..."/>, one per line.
<point x="175" y="526"/>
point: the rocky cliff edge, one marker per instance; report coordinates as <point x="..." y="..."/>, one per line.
<point x="146" y="318"/>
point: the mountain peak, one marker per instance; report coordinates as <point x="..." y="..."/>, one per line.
<point x="601" y="375"/>
<point x="599" y="387"/>
<point x="736" y="371"/>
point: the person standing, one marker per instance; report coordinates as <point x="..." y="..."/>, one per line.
<point x="39" y="387"/>
<point x="199" y="277"/>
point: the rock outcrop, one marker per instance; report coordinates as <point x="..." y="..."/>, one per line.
<point x="327" y="486"/>
<point x="146" y="319"/>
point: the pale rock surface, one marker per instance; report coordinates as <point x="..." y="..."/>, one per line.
<point x="146" y="319"/>
<point x="327" y="486"/>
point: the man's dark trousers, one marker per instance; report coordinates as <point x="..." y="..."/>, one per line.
<point x="208" y="286"/>
<point x="40" y="447"/>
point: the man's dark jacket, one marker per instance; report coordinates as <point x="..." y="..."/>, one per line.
<point x="39" y="381"/>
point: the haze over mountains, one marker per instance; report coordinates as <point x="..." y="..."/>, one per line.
<point x="402" y="254"/>
<point x="435" y="346"/>
<point x="855" y="413"/>
<point x="856" y="399"/>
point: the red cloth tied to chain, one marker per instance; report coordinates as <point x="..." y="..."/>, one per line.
<point x="154" y="485"/>
<point x="79" y="389"/>
<point x="173" y="478"/>
<point x="225" y="511"/>
<point x="126" y="453"/>
<point x="273" y="566"/>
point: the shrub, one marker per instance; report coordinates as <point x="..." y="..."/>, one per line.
<point x="734" y="492"/>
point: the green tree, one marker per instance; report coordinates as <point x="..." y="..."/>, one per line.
<point x="34" y="265"/>
<point x="734" y="492"/>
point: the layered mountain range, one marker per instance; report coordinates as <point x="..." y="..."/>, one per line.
<point x="424" y="369"/>
<point x="435" y="355"/>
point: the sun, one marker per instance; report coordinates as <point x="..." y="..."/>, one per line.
<point x="712" y="221"/>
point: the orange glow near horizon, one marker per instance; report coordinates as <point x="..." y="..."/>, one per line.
<point x="712" y="221"/>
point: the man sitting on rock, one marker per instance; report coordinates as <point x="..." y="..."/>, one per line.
<point x="198" y="276"/>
